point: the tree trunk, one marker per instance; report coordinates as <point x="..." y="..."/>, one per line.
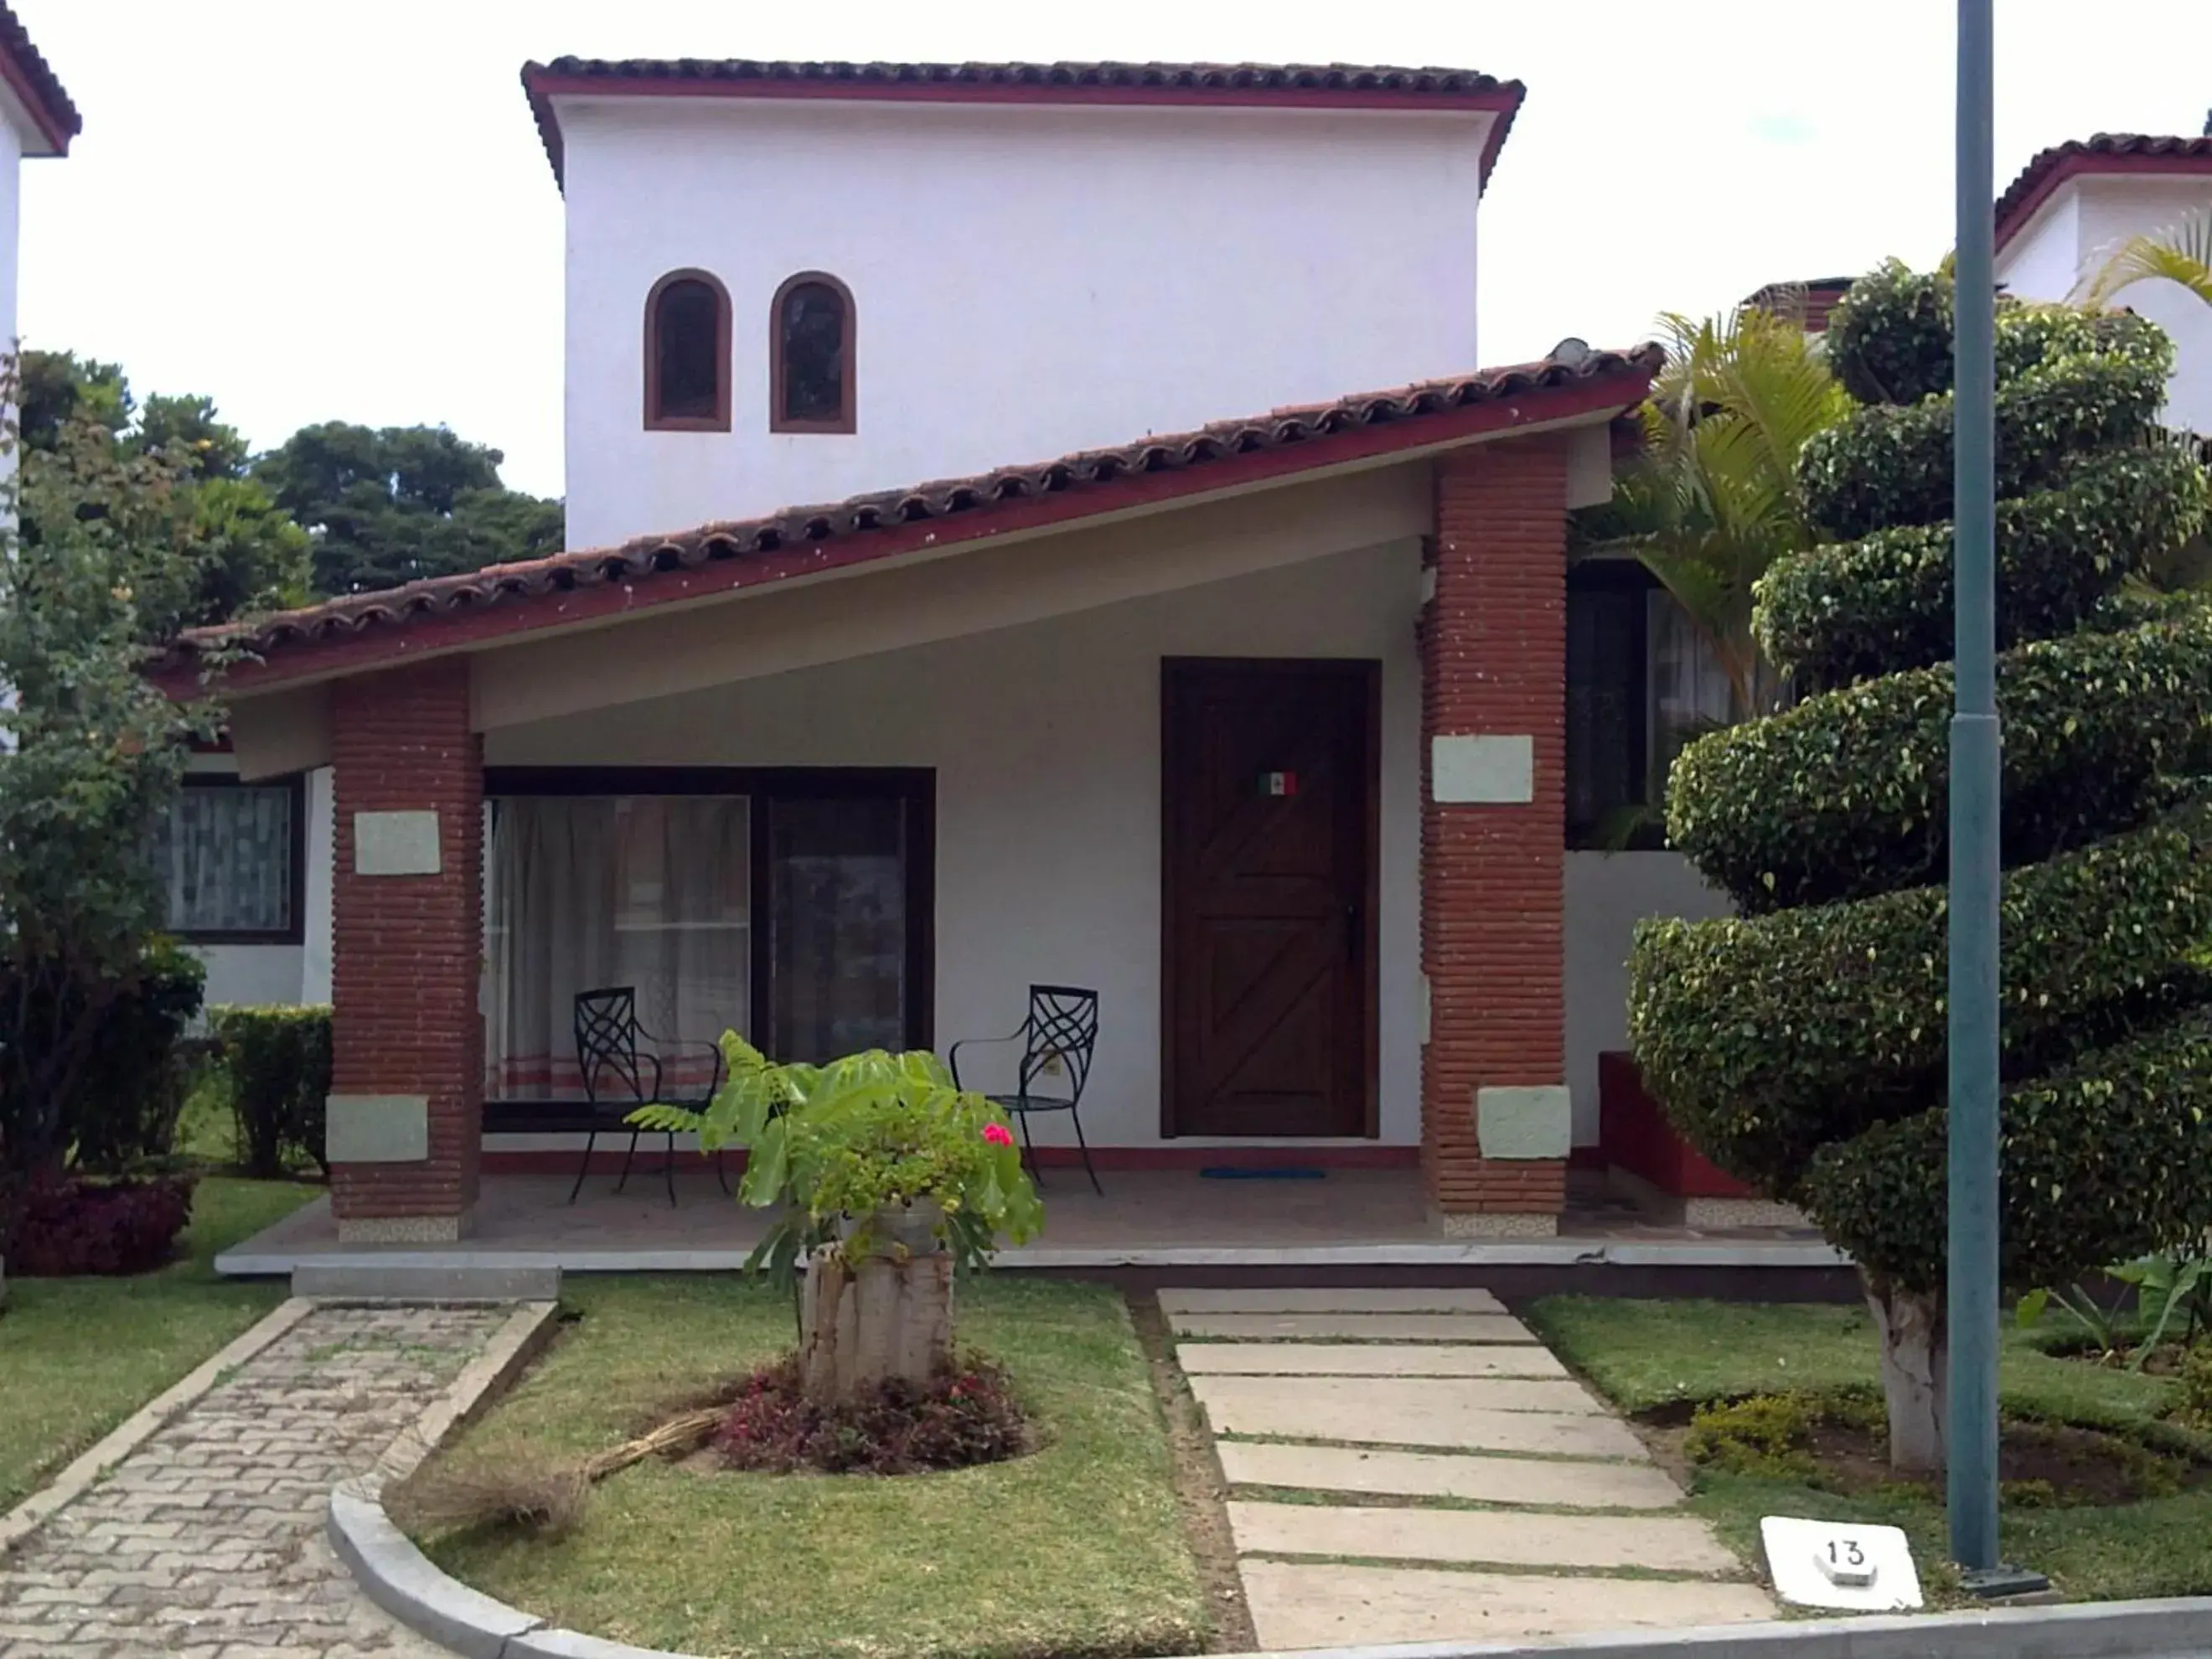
<point x="863" y="1325"/>
<point x="1915" y="1375"/>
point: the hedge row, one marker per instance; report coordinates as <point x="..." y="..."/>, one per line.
<point x="277" y="1057"/>
<point x="1847" y="793"/>
<point x="1889" y="340"/>
<point x="1887" y="466"/>
<point x="2108" y="1158"/>
<point x="1855" y="610"/>
<point x="1768" y="1036"/>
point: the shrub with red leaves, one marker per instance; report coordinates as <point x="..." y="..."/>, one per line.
<point x="965" y="1417"/>
<point x="112" y="1228"/>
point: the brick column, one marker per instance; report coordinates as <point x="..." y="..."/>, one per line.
<point x="406" y="1107"/>
<point x="1495" y="1122"/>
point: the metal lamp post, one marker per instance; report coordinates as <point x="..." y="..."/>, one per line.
<point x="1971" y="1433"/>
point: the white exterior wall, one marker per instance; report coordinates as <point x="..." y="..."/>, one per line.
<point x="1607" y="895"/>
<point x="11" y="187"/>
<point x="1028" y="280"/>
<point x="1046" y="742"/>
<point x="281" y="973"/>
<point x="2084" y="219"/>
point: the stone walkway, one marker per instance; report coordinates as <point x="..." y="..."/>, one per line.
<point x="1413" y="1466"/>
<point x="208" y="1540"/>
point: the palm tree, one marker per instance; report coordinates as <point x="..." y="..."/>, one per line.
<point x="2181" y="253"/>
<point x="1714" y="499"/>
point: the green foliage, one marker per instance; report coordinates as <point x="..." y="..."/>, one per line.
<point x="1853" y="610"/>
<point x="276" y="1059"/>
<point x="1713" y="500"/>
<point x="125" y="1110"/>
<point x="399" y="504"/>
<point x="1847" y="794"/>
<point x="1801" y="1046"/>
<point x="2169" y="1288"/>
<point x="2194" y="1406"/>
<point x="833" y="1147"/>
<point x="99" y="752"/>
<point x="1769" y="1436"/>
<point x="2101" y="1157"/>
<point x="1888" y="466"/>
<point x="1768" y="1036"/>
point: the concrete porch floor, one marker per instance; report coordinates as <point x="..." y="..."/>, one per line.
<point x="1351" y="1218"/>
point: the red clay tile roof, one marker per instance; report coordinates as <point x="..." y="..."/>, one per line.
<point x="36" y="84"/>
<point x="798" y="539"/>
<point x="2107" y="152"/>
<point x="1319" y="85"/>
<point x="1814" y="298"/>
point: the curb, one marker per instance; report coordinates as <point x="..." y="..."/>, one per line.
<point x="147" y="1421"/>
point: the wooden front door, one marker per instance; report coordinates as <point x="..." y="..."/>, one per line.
<point x="1268" y="804"/>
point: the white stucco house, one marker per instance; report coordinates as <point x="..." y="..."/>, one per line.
<point x="37" y="119"/>
<point x="2075" y="203"/>
<point x="1224" y="661"/>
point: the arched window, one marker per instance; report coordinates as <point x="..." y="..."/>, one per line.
<point x="809" y="356"/>
<point x="687" y="354"/>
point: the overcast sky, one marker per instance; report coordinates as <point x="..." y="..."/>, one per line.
<point x="314" y="209"/>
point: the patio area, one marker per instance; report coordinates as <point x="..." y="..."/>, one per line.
<point x="1351" y="1218"/>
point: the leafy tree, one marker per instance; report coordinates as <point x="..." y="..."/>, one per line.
<point x="1715" y="499"/>
<point x="2181" y="254"/>
<point x="392" y="505"/>
<point x="98" y="753"/>
<point x="249" y="554"/>
<point x="1801" y="1045"/>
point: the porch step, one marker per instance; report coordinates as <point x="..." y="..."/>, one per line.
<point x="458" y="1280"/>
<point x="1323" y="1299"/>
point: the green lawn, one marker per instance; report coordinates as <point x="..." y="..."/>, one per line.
<point x="1648" y="1355"/>
<point x="1077" y="1548"/>
<point x="80" y="1355"/>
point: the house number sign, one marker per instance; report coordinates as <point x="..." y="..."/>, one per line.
<point x="1839" y="1564"/>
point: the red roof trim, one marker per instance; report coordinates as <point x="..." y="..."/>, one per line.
<point x="2106" y="155"/>
<point x="1251" y="86"/>
<point x="368" y="631"/>
<point x="35" y="84"/>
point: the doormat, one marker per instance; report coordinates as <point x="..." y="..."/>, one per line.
<point x="1235" y="1172"/>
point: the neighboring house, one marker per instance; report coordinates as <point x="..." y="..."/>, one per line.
<point x="1250" y="709"/>
<point x="2074" y="203"/>
<point x="36" y="119"/>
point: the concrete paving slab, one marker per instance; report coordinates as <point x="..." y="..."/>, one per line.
<point x="1354" y="1327"/>
<point x="1488" y="1479"/>
<point x="1497" y="1538"/>
<point x="1403" y="1411"/>
<point x="1366" y="1359"/>
<point x="1354" y="1298"/>
<point x="1309" y="1604"/>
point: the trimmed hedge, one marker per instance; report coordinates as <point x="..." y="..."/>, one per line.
<point x="1847" y="794"/>
<point x="1888" y="466"/>
<point x="1855" y="610"/>
<point x="1769" y="1037"/>
<point x="2106" y="1159"/>
<point x="279" y="1060"/>
<point x="1888" y="340"/>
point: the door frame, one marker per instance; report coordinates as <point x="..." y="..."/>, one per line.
<point x="1364" y="674"/>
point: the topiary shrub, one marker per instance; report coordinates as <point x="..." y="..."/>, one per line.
<point x="124" y="1111"/>
<point x="278" y="1059"/>
<point x="112" y="1228"/>
<point x="1801" y="1044"/>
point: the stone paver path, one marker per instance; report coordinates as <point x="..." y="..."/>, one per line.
<point x="207" y="1540"/>
<point x="1413" y="1466"/>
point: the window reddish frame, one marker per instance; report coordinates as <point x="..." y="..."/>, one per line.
<point x="848" y="401"/>
<point x="720" y="420"/>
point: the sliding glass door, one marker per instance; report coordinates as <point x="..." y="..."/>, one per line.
<point x="791" y="906"/>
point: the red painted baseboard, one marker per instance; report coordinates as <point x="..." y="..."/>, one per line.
<point x="604" y="1161"/>
<point x="1634" y="1134"/>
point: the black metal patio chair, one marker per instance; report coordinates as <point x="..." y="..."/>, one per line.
<point x="619" y="1077"/>
<point x="1060" y="1033"/>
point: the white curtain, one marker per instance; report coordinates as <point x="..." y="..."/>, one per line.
<point x="225" y="853"/>
<point x="1690" y="693"/>
<point x="590" y="892"/>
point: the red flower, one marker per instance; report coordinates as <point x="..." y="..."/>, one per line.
<point x="998" y="1134"/>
